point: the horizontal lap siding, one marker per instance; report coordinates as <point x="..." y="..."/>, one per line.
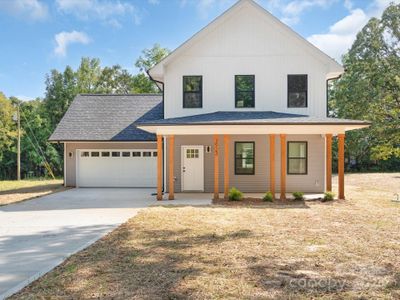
<point x="259" y="182"/>
<point x="72" y="147"/>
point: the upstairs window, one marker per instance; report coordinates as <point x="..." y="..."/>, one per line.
<point x="297" y="158"/>
<point x="297" y="90"/>
<point x="244" y="158"/>
<point x="244" y="91"/>
<point x="192" y="91"/>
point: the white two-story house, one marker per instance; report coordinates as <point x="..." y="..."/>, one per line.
<point x="244" y="105"/>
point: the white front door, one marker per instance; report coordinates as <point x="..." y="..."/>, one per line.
<point x="192" y="168"/>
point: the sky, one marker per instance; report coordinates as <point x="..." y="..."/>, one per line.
<point x="40" y="35"/>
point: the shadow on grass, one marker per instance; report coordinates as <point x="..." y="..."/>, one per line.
<point x="33" y="189"/>
<point x="123" y="265"/>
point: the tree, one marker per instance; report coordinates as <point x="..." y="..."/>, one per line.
<point x="370" y="89"/>
<point x="151" y="57"/>
<point x="148" y="59"/>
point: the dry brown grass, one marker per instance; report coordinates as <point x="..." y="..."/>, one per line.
<point x="335" y="250"/>
<point x="12" y="191"/>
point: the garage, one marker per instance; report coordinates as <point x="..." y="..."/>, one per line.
<point x="116" y="168"/>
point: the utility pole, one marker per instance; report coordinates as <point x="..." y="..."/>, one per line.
<point x="19" y="144"/>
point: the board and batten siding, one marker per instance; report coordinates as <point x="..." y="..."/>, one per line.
<point x="247" y="43"/>
<point x="313" y="181"/>
<point x="71" y="147"/>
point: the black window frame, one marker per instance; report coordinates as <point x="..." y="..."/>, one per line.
<point x="253" y="92"/>
<point x="254" y="157"/>
<point x="185" y="92"/>
<point x="288" y="91"/>
<point x="289" y="158"/>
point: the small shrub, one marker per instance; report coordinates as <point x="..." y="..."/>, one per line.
<point x="329" y="196"/>
<point x="268" y="197"/>
<point x="298" y="195"/>
<point x="235" y="194"/>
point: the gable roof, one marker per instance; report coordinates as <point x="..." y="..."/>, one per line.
<point x="157" y="71"/>
<point x="97" y="117"/>
<point x="249" y="118"/>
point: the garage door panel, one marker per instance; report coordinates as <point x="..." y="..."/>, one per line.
<point x="108" y="171"/>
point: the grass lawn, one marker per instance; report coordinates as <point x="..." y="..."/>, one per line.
<point x="334" y="250"/>
<point x="13" y="191"/>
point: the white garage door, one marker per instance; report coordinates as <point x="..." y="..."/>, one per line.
<point x="116" y="168"/>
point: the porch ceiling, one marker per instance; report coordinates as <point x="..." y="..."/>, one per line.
<point x="251" y="129"/>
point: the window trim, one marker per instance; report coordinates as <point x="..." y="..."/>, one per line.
<point x="288" y="92"/>
<point x="184" y="92"/>
<point x="253" y="91"/>
<point x="288" y="158"/>
<point x="254" y="157"/>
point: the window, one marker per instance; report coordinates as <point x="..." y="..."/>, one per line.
<point x="244" y="158"/>
<point x="297" y="90"/>
<point x="155" y="154"/>
<point x="146" y="153"/>
<point x="192" y="91"/>
<point x="105" y="154"/>
<point x="95" y="154"/>
<point x="126" y="154"/>
<point x="136" y="154"/>
<point x="115" y="154"/>
<point x="297" y="158"/>
<point x="192" y="153"/>
<point x="85" y="154"/>
<point x="244" y="91"/>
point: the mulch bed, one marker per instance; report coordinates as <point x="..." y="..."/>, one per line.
<point x="249" y="201"/>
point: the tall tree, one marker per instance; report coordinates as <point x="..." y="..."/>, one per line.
<point x="370" y="88"/>
<point x="148" y="59"/>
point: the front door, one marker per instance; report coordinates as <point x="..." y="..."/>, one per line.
<point x="192" y="168"/>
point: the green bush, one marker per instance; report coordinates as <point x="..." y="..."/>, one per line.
<point x="329" y="196"/>
<point x="298" y="195"/>
<point x="235" y="194"/>
<point x="268" y="197"/>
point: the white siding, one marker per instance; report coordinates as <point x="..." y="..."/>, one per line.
<point x="246" y="43"/>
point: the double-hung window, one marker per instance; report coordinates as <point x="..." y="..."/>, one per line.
<point x="297" y="90"/>
<point x="244" y="91"/>
<point x="297" y="158"/>
<point x="192" y="91"/>
<point x="244" y="158"/>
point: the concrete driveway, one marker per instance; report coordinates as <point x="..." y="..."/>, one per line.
<point x="37" y="235"/>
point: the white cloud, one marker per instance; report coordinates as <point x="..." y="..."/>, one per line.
<point x="64" y="39"/>
<point x="342" y="34"/>
<point x="293" y="10"/>
<point x="31" y="9"/>
<point x="104" y="10"/>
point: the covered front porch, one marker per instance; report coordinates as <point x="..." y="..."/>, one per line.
<point x="288" y="153"/>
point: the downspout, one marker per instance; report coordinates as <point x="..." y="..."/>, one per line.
<point x="327" y="92"/>
<point x="164" y="144"/>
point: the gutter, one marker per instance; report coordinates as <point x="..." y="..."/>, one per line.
<point x="327" y="92"/>
<point x="163" y="142"/>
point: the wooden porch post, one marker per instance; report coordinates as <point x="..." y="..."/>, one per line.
<point x="328" y="166"/>
<point x="283" y="166"/>
<point x="216" y="168"/>
<point x="159" y="167"/>
<point x="171" y="176"/>
<point x="341" y="166"/>
<point x="226" y="166"/>
<point x="272" y="164"/>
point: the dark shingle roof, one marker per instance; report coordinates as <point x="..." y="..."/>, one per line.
<point x="249" y="117"/>
<point x="95" y="117"/>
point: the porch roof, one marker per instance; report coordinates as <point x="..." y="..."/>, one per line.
<point x="249" y="118"/>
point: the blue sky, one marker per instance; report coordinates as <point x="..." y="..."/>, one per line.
<point x="40" y="35"/>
